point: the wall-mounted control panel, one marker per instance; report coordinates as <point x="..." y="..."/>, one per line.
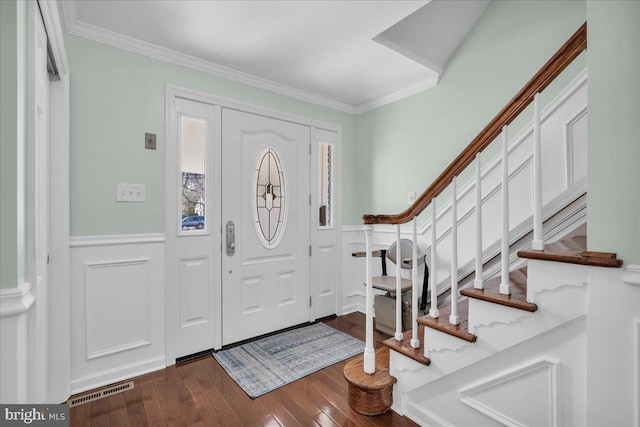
<point x="411" y="197"/>
<point x="130" y="193"/>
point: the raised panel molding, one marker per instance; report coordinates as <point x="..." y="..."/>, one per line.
<point x="194" y="290"/>
<point x="116" y="299"/>
<point x="326" y="282"/>
<point x="287" y="288"/>
<point x="253" y="294"/>
<point x="533" y="386"/>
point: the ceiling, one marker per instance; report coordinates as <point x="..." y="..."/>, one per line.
<point x="348" y="55"/>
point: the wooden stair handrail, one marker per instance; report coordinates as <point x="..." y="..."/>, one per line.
<point x="549" y="71"/>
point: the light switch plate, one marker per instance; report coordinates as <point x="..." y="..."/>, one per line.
<point x="150" y="141"/>
<point x="131" y="192"/>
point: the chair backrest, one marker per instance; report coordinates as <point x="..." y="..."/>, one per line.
<point x="406" y="252"/>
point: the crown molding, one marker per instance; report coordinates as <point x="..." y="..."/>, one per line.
<point x="396" y="96"/>
<point x="101" y="35"/>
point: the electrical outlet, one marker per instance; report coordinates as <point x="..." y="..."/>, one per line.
<point x="150" y="141"/>
<point x="411" y="198"/>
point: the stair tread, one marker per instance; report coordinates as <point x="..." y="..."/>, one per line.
<point x="517" y="286"/>
<point x="572" y="250"/>
<point x="405" y="348"/>
<point x="442" y="322"/>
<point x="354" y="372"/>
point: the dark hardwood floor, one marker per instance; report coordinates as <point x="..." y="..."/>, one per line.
<point x="200" y="393"/>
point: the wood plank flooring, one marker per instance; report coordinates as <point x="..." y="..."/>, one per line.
<point x="199" y="393"/>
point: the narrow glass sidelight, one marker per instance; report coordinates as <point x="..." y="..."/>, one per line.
<point x="193" y="179"/>
<point x="270" y="199"/>
<point x="325" y="210"/>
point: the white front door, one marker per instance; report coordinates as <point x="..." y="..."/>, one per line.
<point x="265" y="219"/>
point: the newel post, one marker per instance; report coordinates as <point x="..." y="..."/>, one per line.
<point x="369" y="352"/>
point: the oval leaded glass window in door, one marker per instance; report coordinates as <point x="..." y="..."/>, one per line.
<point x="270" y="199"/>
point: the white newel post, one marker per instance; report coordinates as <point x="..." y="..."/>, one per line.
<point x="398" y="335"/>
<point x="537" y="243"/>
<point x="433" y="311"/>
<point x="504" y="261"/>
<point x="369" y="352"/>
<point x="478" y="283"/>
<point x="415" y="342"/>
<point x="453" y="318"/>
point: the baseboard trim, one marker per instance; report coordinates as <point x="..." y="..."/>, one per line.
<point x="118" y="374"/>
<point x="424" y="417"/>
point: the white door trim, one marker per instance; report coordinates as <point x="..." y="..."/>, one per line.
<point x="57" y="385"/>
<point x="175" y="92"/>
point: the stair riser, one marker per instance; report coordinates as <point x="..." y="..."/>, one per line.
<point x="486" y="313"/>
<point x="549" y="275"/>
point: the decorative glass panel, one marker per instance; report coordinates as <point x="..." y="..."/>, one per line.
<point x="192" y="137"/>
<point x="270" y="199"/>
<point x="325" y="217"/>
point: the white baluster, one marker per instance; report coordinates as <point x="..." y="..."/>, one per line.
<point x="415" y="342"/>
<point x="453" y="318"/>
<point x="369" y="352"/>
<point x="504" y="282"/>
<point x="433" y="311"/>
<point x="478" y="283"/>
<point x="537" y="243"/>
<point x="398" y="335"/>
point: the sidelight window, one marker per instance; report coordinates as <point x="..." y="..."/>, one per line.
<point x="193" y="178"/>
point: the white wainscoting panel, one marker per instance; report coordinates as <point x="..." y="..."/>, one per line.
<point x="113" y="288"/>
<point x="637" y="359"/>
<point x="541" y="381"/>
<point x="15" y="304"/>
<point x="117" y="308"/>
<point x="507" y="397"/>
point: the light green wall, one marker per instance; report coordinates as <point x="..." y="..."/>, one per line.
<point x="13" y="143"/>
<point x="407" y="144"/>
<point x="117" y="96"/>
<point x="614" y="128"/>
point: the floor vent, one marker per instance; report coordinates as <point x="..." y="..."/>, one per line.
<point x="90" y="397"/>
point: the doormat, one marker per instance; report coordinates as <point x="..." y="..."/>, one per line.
<point x="269" y="363"/>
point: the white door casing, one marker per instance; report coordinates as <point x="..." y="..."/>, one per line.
<point x="293" y="309"/>
<point x="38" y="206"/>
<point x="265" y="283"/>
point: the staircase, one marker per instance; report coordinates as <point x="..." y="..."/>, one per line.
<point x="487" y="324"/>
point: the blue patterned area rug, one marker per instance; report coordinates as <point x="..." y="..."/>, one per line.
<point x="269" y="363"/>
